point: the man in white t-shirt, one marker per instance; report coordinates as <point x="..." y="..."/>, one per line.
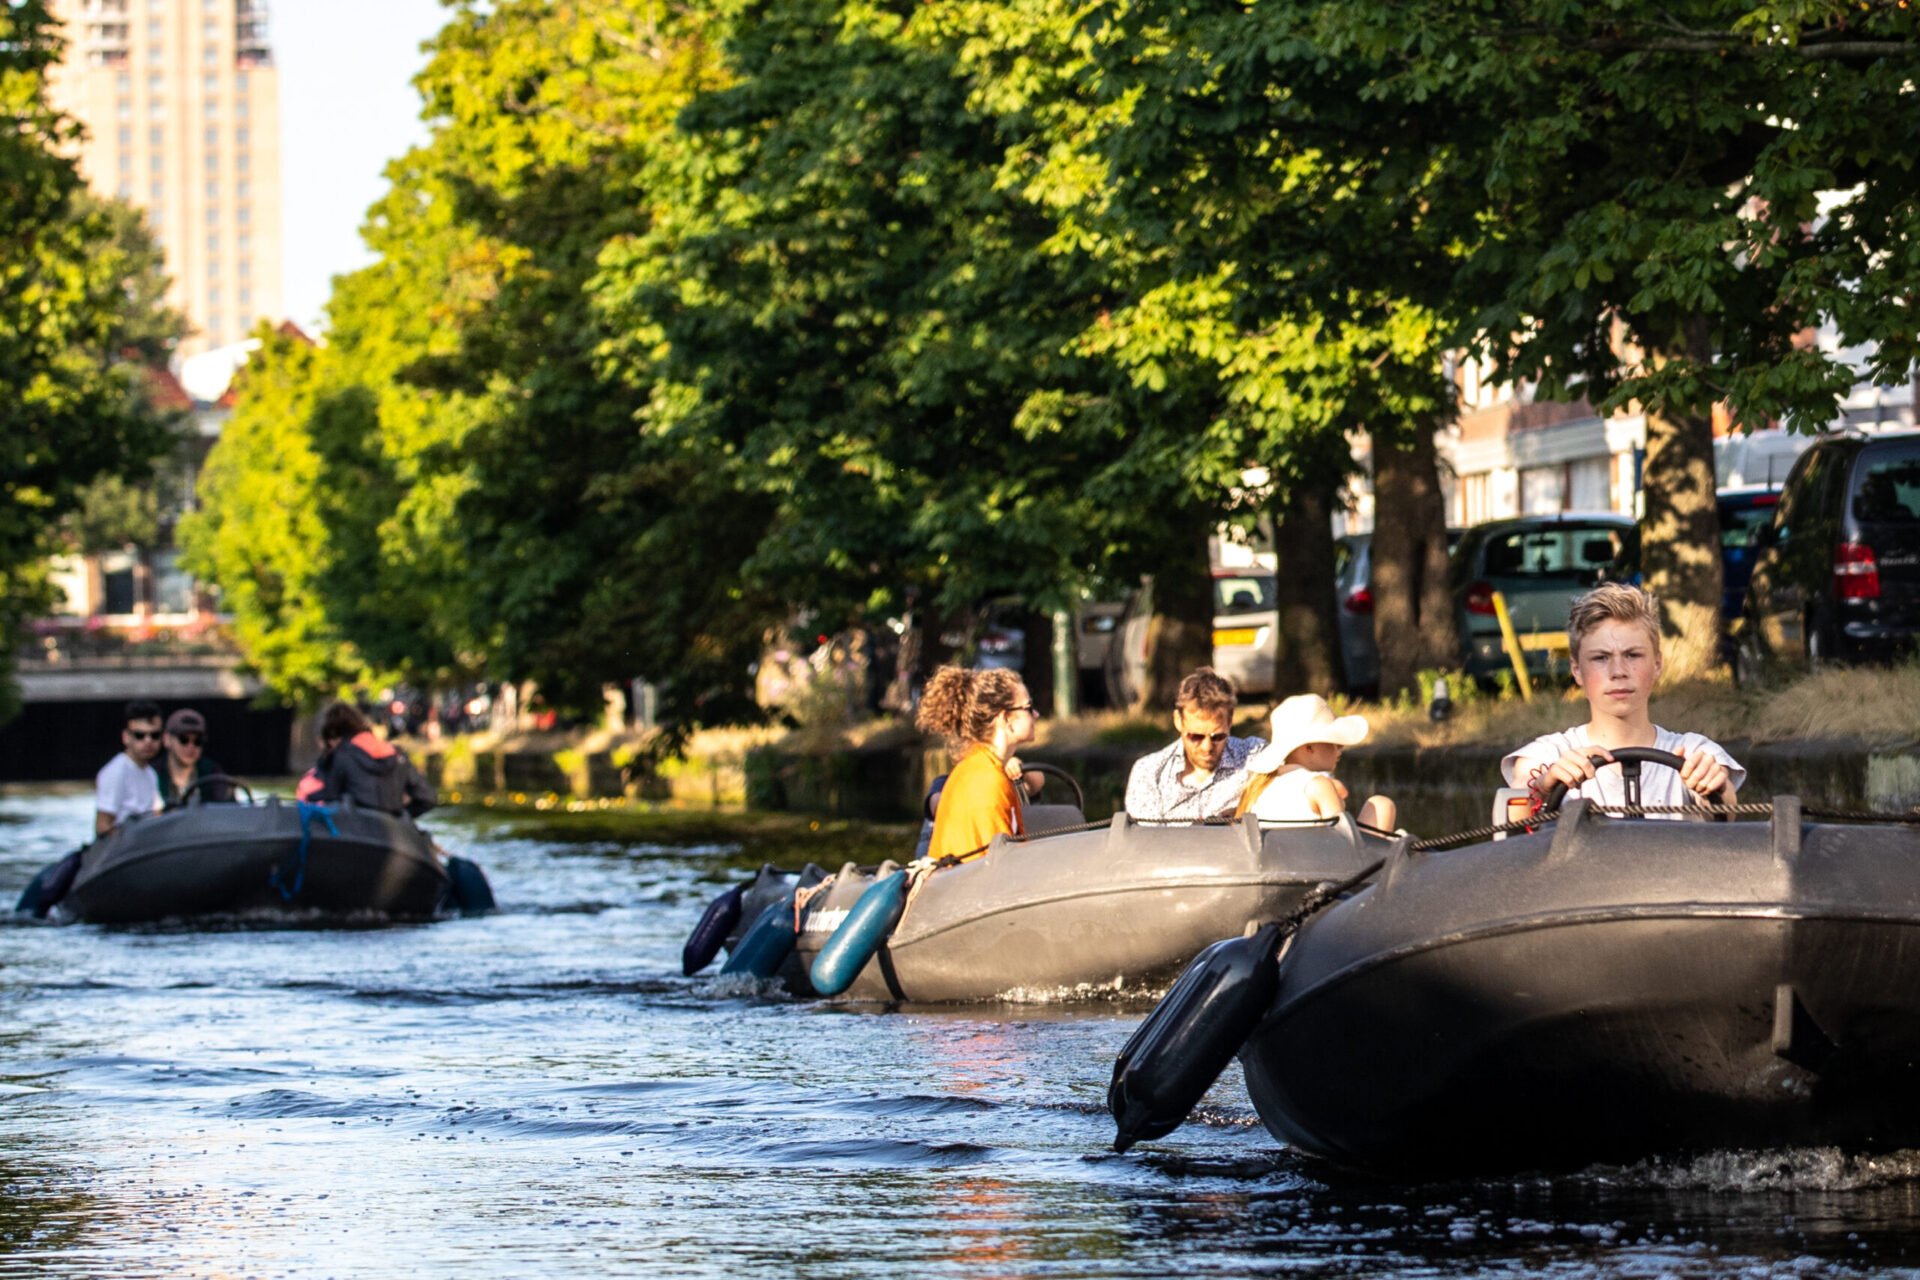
<point x="128" y="786"/>
<point x="1614" y="632"/>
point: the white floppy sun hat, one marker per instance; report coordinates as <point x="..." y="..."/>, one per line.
<point x="1301" y="719"/>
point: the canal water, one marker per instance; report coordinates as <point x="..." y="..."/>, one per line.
<point x="538" y="1092"/>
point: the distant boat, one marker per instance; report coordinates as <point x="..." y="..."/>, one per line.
<point x="268" y="859"/>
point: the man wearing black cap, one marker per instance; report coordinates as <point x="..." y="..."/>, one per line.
<point x="186" y="762"/>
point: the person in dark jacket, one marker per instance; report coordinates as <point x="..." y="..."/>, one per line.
<point x="353" y="762"/>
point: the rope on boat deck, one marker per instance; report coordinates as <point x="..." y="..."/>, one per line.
<point x="801" y="897"/>
<point x="1158" y="823"/>
<point x="296" y="869"/>
<point x="1473" y="834"/>
<point x="1758" y="809"/>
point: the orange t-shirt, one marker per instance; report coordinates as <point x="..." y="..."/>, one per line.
<point x="978" y="803"/>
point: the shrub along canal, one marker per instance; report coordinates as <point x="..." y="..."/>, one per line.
<point x="540" y="1092"/>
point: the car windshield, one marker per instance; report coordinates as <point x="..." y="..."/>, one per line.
<point x="1560" y="551"/>
<point x="1243" y="593"/>
<point x="1737" y="523"/>
<point x="1886" y="485"/>
<point x="1342" y="559"/>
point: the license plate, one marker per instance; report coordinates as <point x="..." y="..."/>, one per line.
<point x="1238" y="635"/>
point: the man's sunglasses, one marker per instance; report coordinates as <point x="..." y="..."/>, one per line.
<point x="143" y="735"/>
<point x="187" y="739"/>
<point x="1197" y="738"/>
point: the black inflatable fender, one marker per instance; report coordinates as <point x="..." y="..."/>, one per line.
<point x="1175" y="1056"/>
<point x="719" y="920"/>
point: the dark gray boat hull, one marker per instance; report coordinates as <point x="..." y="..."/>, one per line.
<point x="240" y="860"/>
<point x="1083" y="913"/>
<point x="1603" y="992"/>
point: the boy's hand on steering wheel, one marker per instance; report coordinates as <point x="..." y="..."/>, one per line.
<point x="1703" y="773"/>
<point x="1574" y="768"/>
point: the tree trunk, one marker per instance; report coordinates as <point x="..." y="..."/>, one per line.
<point x="1037" y="663"/>
<point x="1309" y="658"/>
<point x="1680" y="537"/>
<point x="1414" y="626"/>
<point x="1180" y="633"/>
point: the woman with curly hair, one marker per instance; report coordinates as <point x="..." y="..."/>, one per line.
<point x="985" y="715"/>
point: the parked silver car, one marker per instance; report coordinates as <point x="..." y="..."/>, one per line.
<point x="1246" y="629"/>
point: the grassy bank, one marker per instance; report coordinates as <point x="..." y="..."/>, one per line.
<point x="1875" y="706"/>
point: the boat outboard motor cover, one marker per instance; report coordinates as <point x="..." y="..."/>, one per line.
<point x="766" y="887"/>
<point x="1174" y="1057"/>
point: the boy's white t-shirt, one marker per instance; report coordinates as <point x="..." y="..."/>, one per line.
<point x="124" y="789"/>
<point x="1659" y="785"/>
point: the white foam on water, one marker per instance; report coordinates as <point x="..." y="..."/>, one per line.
<point x="1795" y="1169"/>
<point x="1114" y="990"/>
<point x="726" y="986"/>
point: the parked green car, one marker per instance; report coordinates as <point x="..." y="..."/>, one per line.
<point x="1538" y="564"/>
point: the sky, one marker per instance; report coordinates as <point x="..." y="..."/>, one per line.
<point x="347" y="107"/>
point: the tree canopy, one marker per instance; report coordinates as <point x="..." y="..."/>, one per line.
<point x="690" y="321"/>
<point x="80" y="318"/>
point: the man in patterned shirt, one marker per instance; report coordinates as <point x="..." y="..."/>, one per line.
<point x="1202" y="774"/>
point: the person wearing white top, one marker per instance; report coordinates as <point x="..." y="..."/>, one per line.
<point x="128" y="786"/>
<point x="1292" y="777"/>
<point x="1614" y="634"/>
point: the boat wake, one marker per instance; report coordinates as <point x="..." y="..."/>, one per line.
<point x="1797" y="1169"/>
<point x="1116" y="991"/>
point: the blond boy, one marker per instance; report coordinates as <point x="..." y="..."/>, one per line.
<point x="1614" y="633"/>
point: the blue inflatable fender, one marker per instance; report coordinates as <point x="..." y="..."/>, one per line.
<point x="768" y="943"/>
<point x="703" y="944"/>
<point x="860" y="934"/>
<point x="467" y="887"/>
<point x="44" y="892"/>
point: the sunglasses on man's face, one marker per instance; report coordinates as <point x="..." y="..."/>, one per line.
<point x="187" y="739"/>
<point x="143" y="735"/>
<point x="1198" y="739"/>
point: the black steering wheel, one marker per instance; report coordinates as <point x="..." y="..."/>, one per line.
<point x="194" y="787"/>
<point x="1055" y="771"/>
<point x="1629" y="759"/>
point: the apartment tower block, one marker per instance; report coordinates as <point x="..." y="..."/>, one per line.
<point x="182" y="107"/>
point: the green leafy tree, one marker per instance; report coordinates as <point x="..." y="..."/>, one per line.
<point x="1263" y="270"/>
<point x="851" y="296"/>
<point x="1632" y="196"/>
<point x="266" y="528"/>
<point x="79" y="311"/>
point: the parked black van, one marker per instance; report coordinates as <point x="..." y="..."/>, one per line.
<point x="1836" y="573"/>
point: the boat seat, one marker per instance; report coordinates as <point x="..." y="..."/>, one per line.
<point x="1501" y="815"/>
<point x="1041" y="818"/>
